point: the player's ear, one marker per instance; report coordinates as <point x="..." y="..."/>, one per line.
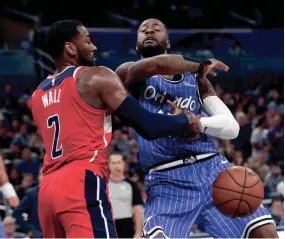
<point x="70" y="48"/>
<point x="168" y="44"/>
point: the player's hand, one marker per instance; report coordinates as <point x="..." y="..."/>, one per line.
<point x="194" y="121"/>
<point x="215" y="65"/>
<point x="176" y="110"/>
<point x="13" y="201"/>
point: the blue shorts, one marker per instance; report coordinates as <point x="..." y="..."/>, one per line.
<point x="179" y="198"/>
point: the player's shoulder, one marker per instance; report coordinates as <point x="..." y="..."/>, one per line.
<point x="99" y="71"/>
<point x="125" y="65"/>
<point x="123" y="69"/>
<point x="101" y="74"/>
<point x="96" y="77"/>
<point x="54" y="80"/>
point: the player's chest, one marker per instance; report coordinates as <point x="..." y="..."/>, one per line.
<point x="184" y="93"/>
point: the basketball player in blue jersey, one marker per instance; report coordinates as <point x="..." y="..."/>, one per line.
<point x="180" y="170"/>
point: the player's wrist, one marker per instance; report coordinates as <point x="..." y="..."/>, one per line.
<point x="194" y="126"/>
<point x="202" y="64"/>
<point x="8" y="190"/>
<point x="202" y="67"/>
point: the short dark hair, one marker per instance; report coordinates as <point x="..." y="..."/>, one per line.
<point x="156" y="20"/>
<point x="115" y="153"/>
<point x="59" y="33"/>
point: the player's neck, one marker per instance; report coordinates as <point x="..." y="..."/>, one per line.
<point x="117" y="178"/>
<point x="61" y="65"/>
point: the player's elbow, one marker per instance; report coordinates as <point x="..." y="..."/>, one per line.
<point x="232" y="129"/>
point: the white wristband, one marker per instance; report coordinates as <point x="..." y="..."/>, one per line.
<point x="8" y="190"/>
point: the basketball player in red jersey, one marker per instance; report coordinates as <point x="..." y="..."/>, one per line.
<point x="72" y="110"/>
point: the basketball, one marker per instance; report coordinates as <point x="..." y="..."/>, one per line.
<point x="237" y="192"/>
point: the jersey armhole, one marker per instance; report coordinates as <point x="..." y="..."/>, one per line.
<point x="76" y="72"/>
<point x="198" y="91"/>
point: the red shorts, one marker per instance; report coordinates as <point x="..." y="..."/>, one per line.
<point x="74" y="203"/>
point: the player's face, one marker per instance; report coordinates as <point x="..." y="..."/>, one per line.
<point x="116" y="164"/>
<point x="152" y="38"/>
<point x="85" y="48"/>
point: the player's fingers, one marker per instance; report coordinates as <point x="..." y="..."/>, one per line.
<point x="219" y="65"/>
<point x="172" y="105"/>
<point x="223" y="66"/>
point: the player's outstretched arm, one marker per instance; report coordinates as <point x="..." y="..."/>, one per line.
<point x="220" y="123"/>
<point x="166" y="64"/>
<point x="108" y="86"/>
<point x="6" y="187"/>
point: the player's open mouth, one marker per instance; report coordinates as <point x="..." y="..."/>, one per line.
<point x="149" y="39"/>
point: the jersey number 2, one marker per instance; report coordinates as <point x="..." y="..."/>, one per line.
<point x="53" y="121"/>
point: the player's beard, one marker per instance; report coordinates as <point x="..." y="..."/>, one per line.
<point x="84" y="62"/>
<point x="150" y="51"/>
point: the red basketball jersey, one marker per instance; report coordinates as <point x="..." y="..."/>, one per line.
<point x="70" y="128"/>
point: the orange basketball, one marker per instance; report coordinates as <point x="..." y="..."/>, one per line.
<point x="237" y="192"/>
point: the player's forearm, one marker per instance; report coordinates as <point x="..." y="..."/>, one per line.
<point x="138" y="219"/>
<point x="148" y="125"/>
<point x="221" y="122"/>
<point x="165" y="64"/>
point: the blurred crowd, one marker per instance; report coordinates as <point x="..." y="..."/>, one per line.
<point x="128" y="13"/>
<point x="259" y="146"/>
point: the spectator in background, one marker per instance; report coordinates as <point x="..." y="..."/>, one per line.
<point x="5" y="137"/>
<point x="258" y="136"/>
<point x="242" y="143"/>
<point x="28" y="164"/>
<point x="22" y="137"/>
<point x="280" y="185"/>
<point x="26" y="183"/>
<point x="277" y="212"/>
<point x="9" y="224"/>
<point x="29" y="205"/>
<point x="121" y="142"/>
<point x="272" y="179"/>
<point x="276" y="139"/>
<point x="238" y="158"/>
<point x="126" y="200"/>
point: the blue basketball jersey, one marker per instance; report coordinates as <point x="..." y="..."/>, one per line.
<point x="184" y="93"/>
